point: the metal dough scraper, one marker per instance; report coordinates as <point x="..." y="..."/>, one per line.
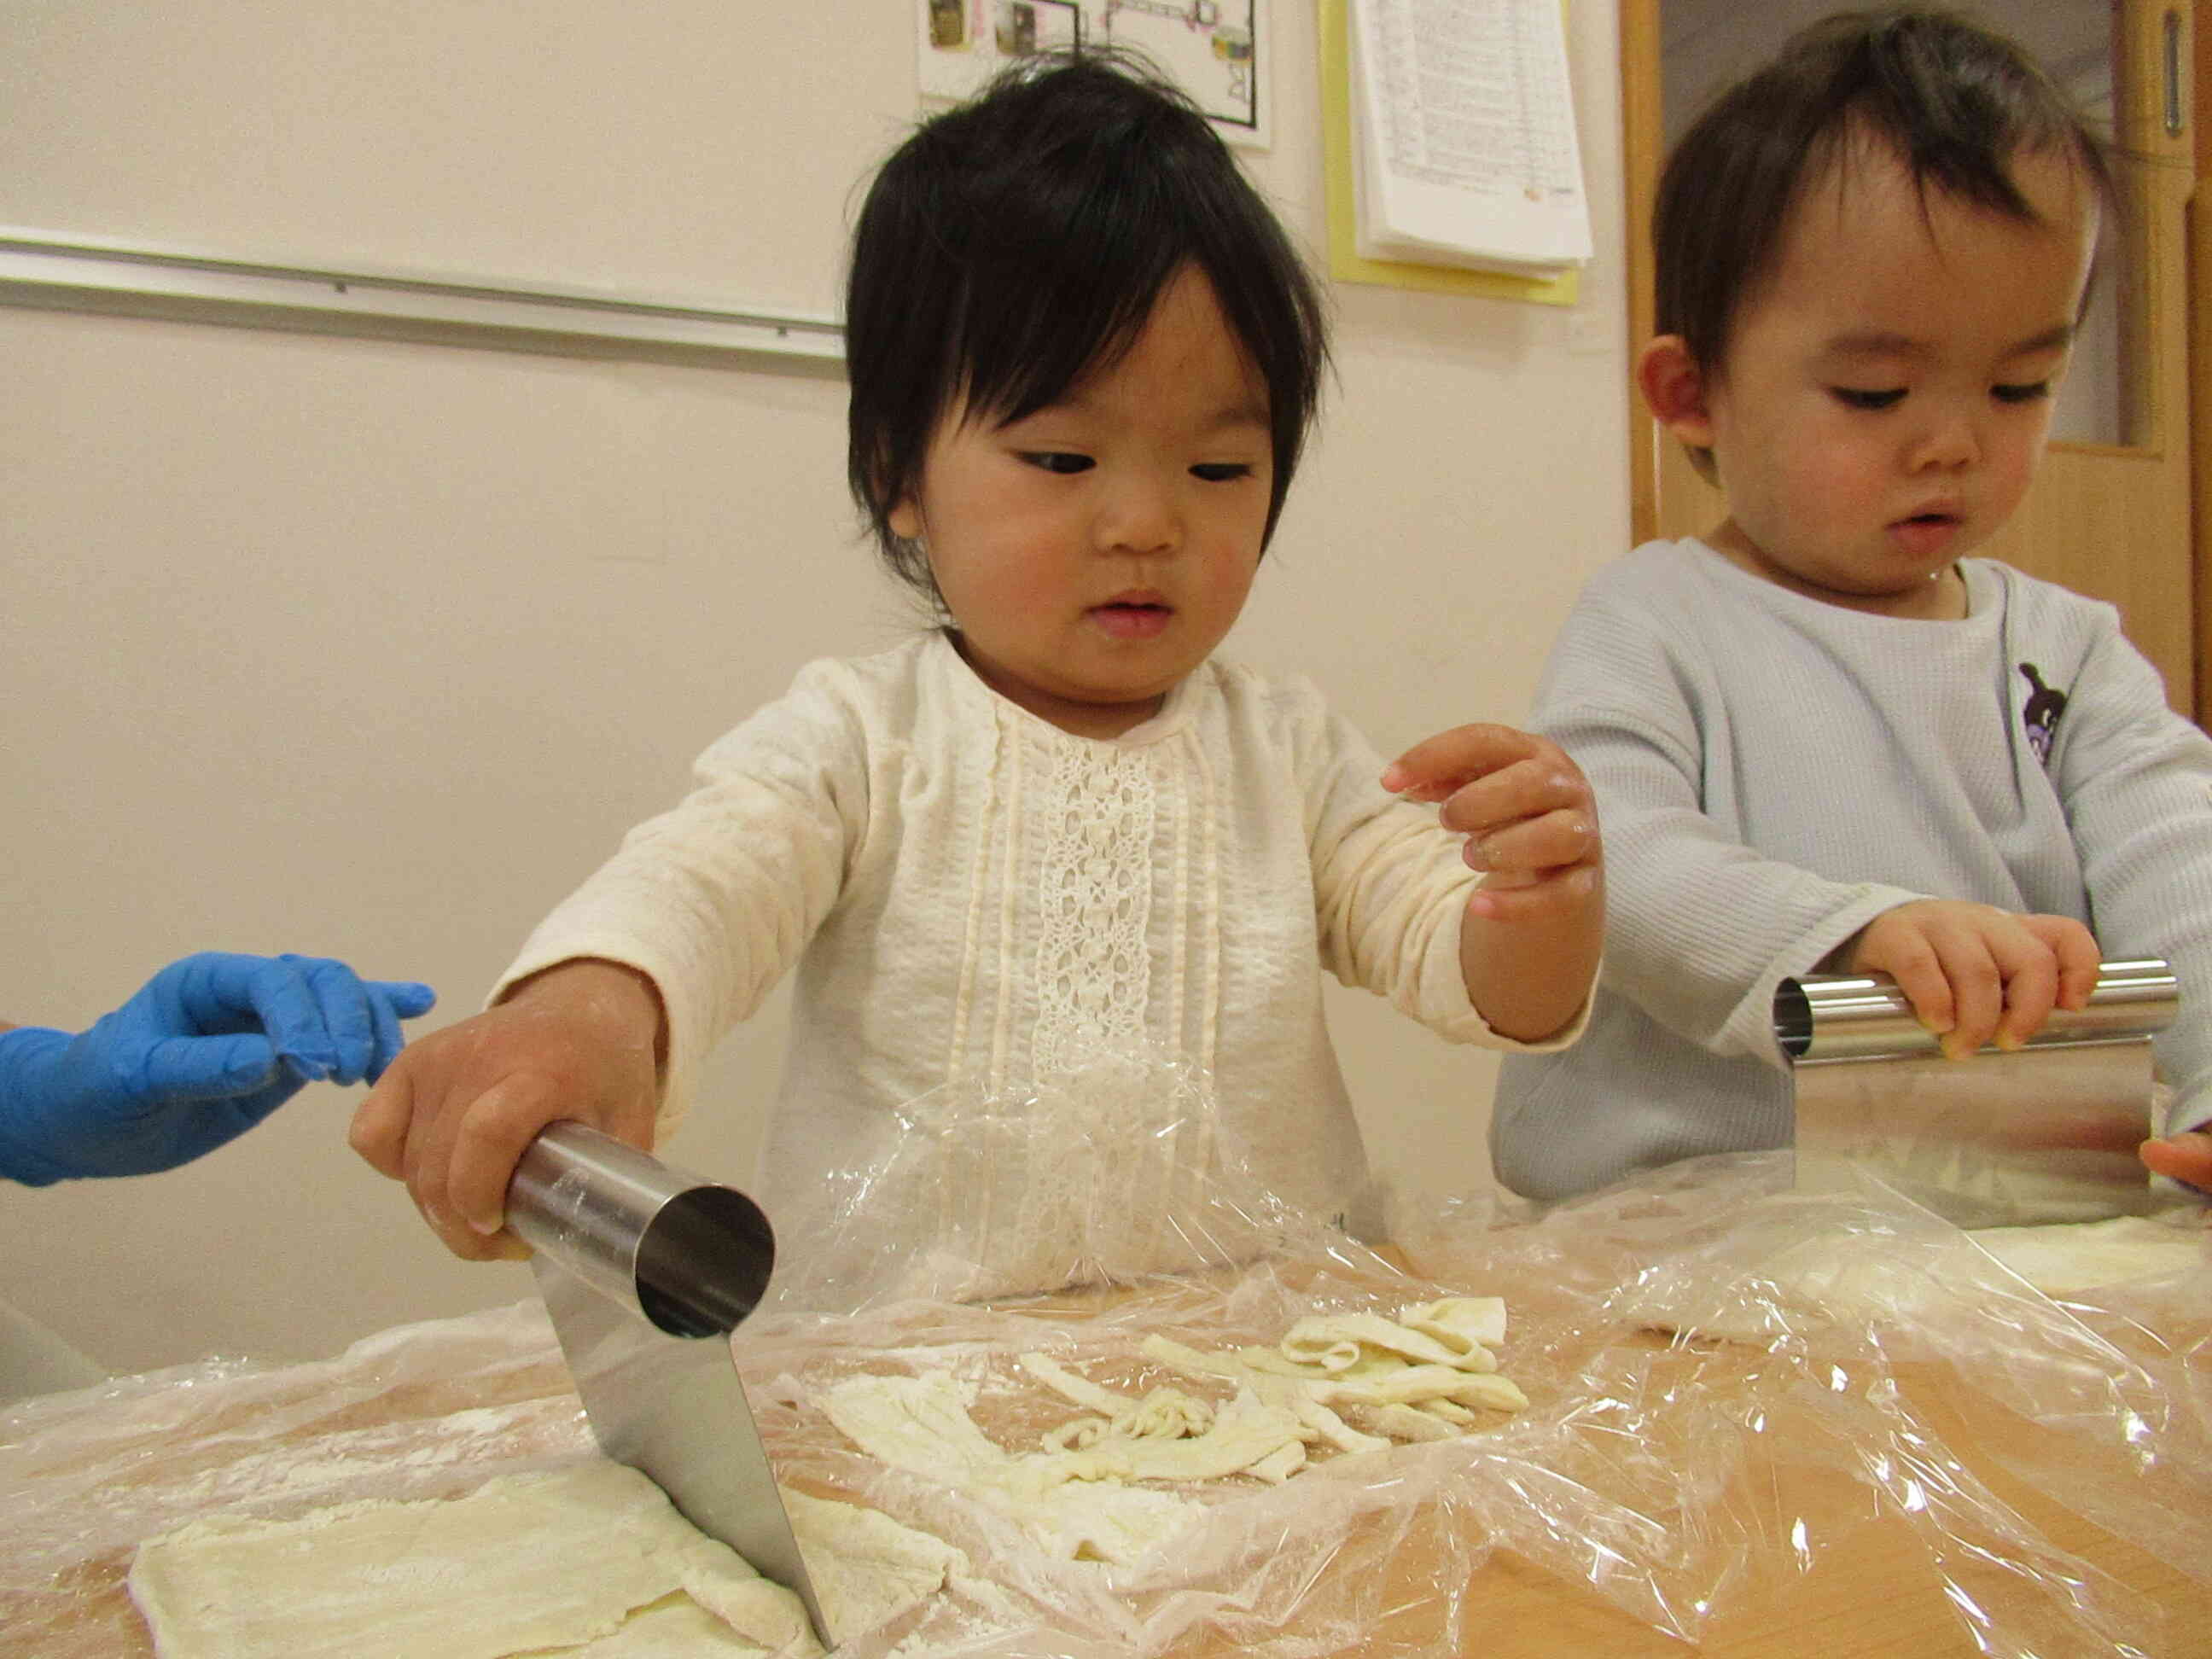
<point x="2045" y="1133"/>
<point x="645" y="1272"/>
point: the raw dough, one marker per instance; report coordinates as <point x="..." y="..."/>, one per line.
<point x="2062" y="1260"/>
<point x="1449" y="1333"/>
<point x="1072" y="1503"/>
<point x="868" y="1568"/>
<point x="1360" y="1381"/>
<point x="1414" y="1377"/>
<point x="590" y="1561"/>
<point x="536" y="1561"/>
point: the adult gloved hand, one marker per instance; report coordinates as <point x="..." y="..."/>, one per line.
<point x="211" y="1046"/>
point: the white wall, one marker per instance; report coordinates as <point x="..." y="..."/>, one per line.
<point x="372" y="649"/>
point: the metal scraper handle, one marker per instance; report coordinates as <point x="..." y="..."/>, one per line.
<point x="691" y="1257"/>
<point x="1828" y="1017"/>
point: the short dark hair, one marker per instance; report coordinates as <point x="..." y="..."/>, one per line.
<point x="1953" y="101"/>
<point x="1017" y="242"/>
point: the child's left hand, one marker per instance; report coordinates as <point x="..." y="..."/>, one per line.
<point x="1531" y="826"/>
<point x="1525" y="808"/>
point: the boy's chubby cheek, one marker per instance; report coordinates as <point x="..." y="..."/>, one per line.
<point x="1828" y="481"/>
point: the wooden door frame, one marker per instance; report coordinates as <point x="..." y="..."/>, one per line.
<point x="1643" y="142"/>
<point x="2200" y="352"/>
<point x="1643" y="132"/>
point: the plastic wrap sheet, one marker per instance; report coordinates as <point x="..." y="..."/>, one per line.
<point x="1377" y="1554"/>
<point x="1124" y="1210"/>
<point x="421" y="1411"/>
<point x="1669" y="1475"/>
<point x="1120" y="1170"/>
<point x="1120" y="1207"/>
<point x="1372" y="1554"/>
<point x="1848" y="1349"/>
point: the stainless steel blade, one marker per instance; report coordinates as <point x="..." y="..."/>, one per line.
<point x="646" y="1271"/>
<point x="674" y="1409"/>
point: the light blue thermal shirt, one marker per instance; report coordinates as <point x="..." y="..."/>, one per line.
<point x="1773" y="772"/>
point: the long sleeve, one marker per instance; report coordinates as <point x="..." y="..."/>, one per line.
<point x="1700" y="928"/>
<point x="1772" y="772"/>
<point x="2138" y="782"/>
<point x="976" y="906"/>
<point x="715" y="899"/>
<point x="970" y="900"/>
<point x="1390" y="889"/>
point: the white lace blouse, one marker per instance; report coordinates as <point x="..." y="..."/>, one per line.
<point x="978" y="904"/>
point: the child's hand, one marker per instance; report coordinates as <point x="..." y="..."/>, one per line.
<point x="1976" y="974"/>
<point x="457" y="1110"/>
<point x="1531" y="827"/>
<point x="2185" y="1157"/>
<point x="1524" y="808"/>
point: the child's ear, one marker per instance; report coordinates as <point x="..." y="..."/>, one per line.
<point x="1673" y="388"/>
<point x="905" y="520"/>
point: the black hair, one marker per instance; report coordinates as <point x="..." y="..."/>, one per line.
<point x="1018" y="242"/>
<point x="1953" y="101"/>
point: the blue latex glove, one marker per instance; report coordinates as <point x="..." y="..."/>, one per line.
<point x="209" y="1047"/>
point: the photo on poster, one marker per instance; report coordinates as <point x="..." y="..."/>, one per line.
<point x="1214" y="50"/>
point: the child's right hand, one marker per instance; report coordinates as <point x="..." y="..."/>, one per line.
<point x="457" y="1110"/>
<point x="2187" y="1157"/>
<point x="1976" y="974"/>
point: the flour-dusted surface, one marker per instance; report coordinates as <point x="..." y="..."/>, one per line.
<point x="868" y="1570"/>
<point x="920" y="1423"/>
<point x="590" y="1559"/>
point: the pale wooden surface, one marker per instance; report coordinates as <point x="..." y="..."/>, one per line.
<point x="1873" y="1595"/>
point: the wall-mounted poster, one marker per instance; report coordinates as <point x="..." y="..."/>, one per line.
<point x="1214" y="50"/>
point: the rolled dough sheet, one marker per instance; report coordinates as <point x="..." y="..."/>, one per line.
<point x="592" y="1561"/>
<point x="2083" y="1255"/>
<point x="1861" y="1279"/>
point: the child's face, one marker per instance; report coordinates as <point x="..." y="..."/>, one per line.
<point x="1885" y="394"/>
<point x="1094" y="553"/>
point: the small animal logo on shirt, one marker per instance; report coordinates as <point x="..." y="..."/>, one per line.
<point x="2040" y="715"/>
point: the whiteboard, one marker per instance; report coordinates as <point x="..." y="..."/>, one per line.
<point x="682" y="152"/>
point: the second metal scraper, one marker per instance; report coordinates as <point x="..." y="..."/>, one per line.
<point x="2045" y="1134"/>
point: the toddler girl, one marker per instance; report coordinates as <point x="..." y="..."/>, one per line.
<point x="1083" y="358"/>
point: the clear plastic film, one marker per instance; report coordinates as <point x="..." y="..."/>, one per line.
<point x="1087" y="1219"/>
<point x="1118" y="1169"/>
<point x="1855" y="1358"/>
<point x="1724" y="1380"/>
<point x="417" y="1411"/>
